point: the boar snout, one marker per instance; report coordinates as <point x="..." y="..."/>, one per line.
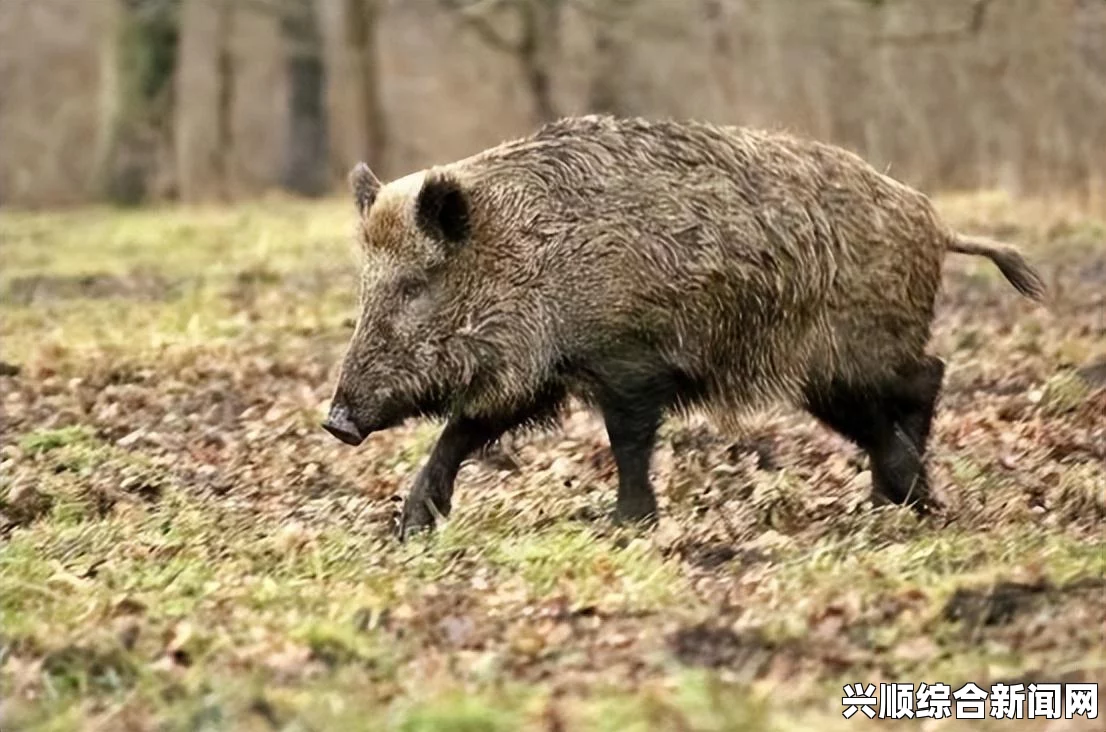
<point x="339" y="423"/>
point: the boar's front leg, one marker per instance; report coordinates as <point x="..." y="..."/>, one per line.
<point x="461" y="437"/>
<point x="433" y="489"/>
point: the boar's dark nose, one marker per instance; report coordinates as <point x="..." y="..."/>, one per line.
<point x="341" y="425"/>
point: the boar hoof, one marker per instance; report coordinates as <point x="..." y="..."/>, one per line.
<point x="923" y="506"/>
<point x="641" y="516"/>
<point x="419" y="515"/>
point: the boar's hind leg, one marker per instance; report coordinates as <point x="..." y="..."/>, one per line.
<point x="632" y="417"/>
<point x="891" y="424"/>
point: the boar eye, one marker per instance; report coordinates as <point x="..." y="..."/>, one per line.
<point x="411" y="288"/>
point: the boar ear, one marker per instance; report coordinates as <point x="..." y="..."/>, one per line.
<point x="364" y="186"/>
<point x="442" y="208"/>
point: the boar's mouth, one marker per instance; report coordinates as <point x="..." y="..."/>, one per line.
<point x="431" y="404"/>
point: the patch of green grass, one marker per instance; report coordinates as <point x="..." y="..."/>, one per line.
<point x="44" y="440"/>
<point x="1063" y="393"/>
<point x="178" y="241"/>
<point x="460" y="712"/>
<point x="223" y="269"/>
<point x="62" y="334"/>
<point x="623" y="572"/>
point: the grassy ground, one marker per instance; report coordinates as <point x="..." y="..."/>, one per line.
<point x="181" y="546"/>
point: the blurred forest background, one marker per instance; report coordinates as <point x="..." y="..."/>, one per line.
<point x="139" y="100"/>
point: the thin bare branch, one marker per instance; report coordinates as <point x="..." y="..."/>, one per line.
<point x="607" y="11"/>
<point x="475" y="16"/>
<point x="973" y="27"/>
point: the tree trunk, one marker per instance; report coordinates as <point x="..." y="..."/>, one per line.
<point x="608" y="72"/>
<point x="363" y="24"/>
<point x="603" y="90"/>
<point x="224" y="130"/>
<point x="305" y="161"/>
<point x="138" y="60"/>
<point x="537" y="53"/>
<point x="535" y="50"/>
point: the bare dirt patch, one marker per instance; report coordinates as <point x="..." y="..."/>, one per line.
<point x="1002" y="603"/>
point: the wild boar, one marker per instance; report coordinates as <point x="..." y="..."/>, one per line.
<point x="649" y="267"/>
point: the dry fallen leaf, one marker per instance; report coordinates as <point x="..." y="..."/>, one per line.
<point x="917" y="649"/>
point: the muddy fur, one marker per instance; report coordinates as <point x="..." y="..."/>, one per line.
<point x="648" y="267"/>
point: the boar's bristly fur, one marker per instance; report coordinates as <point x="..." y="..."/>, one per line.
<point x="647" y="267"/>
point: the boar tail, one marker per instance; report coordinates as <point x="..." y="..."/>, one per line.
<point x="1007" y="258"/>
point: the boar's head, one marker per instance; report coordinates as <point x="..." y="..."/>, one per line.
<point x="444" y="323"/>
